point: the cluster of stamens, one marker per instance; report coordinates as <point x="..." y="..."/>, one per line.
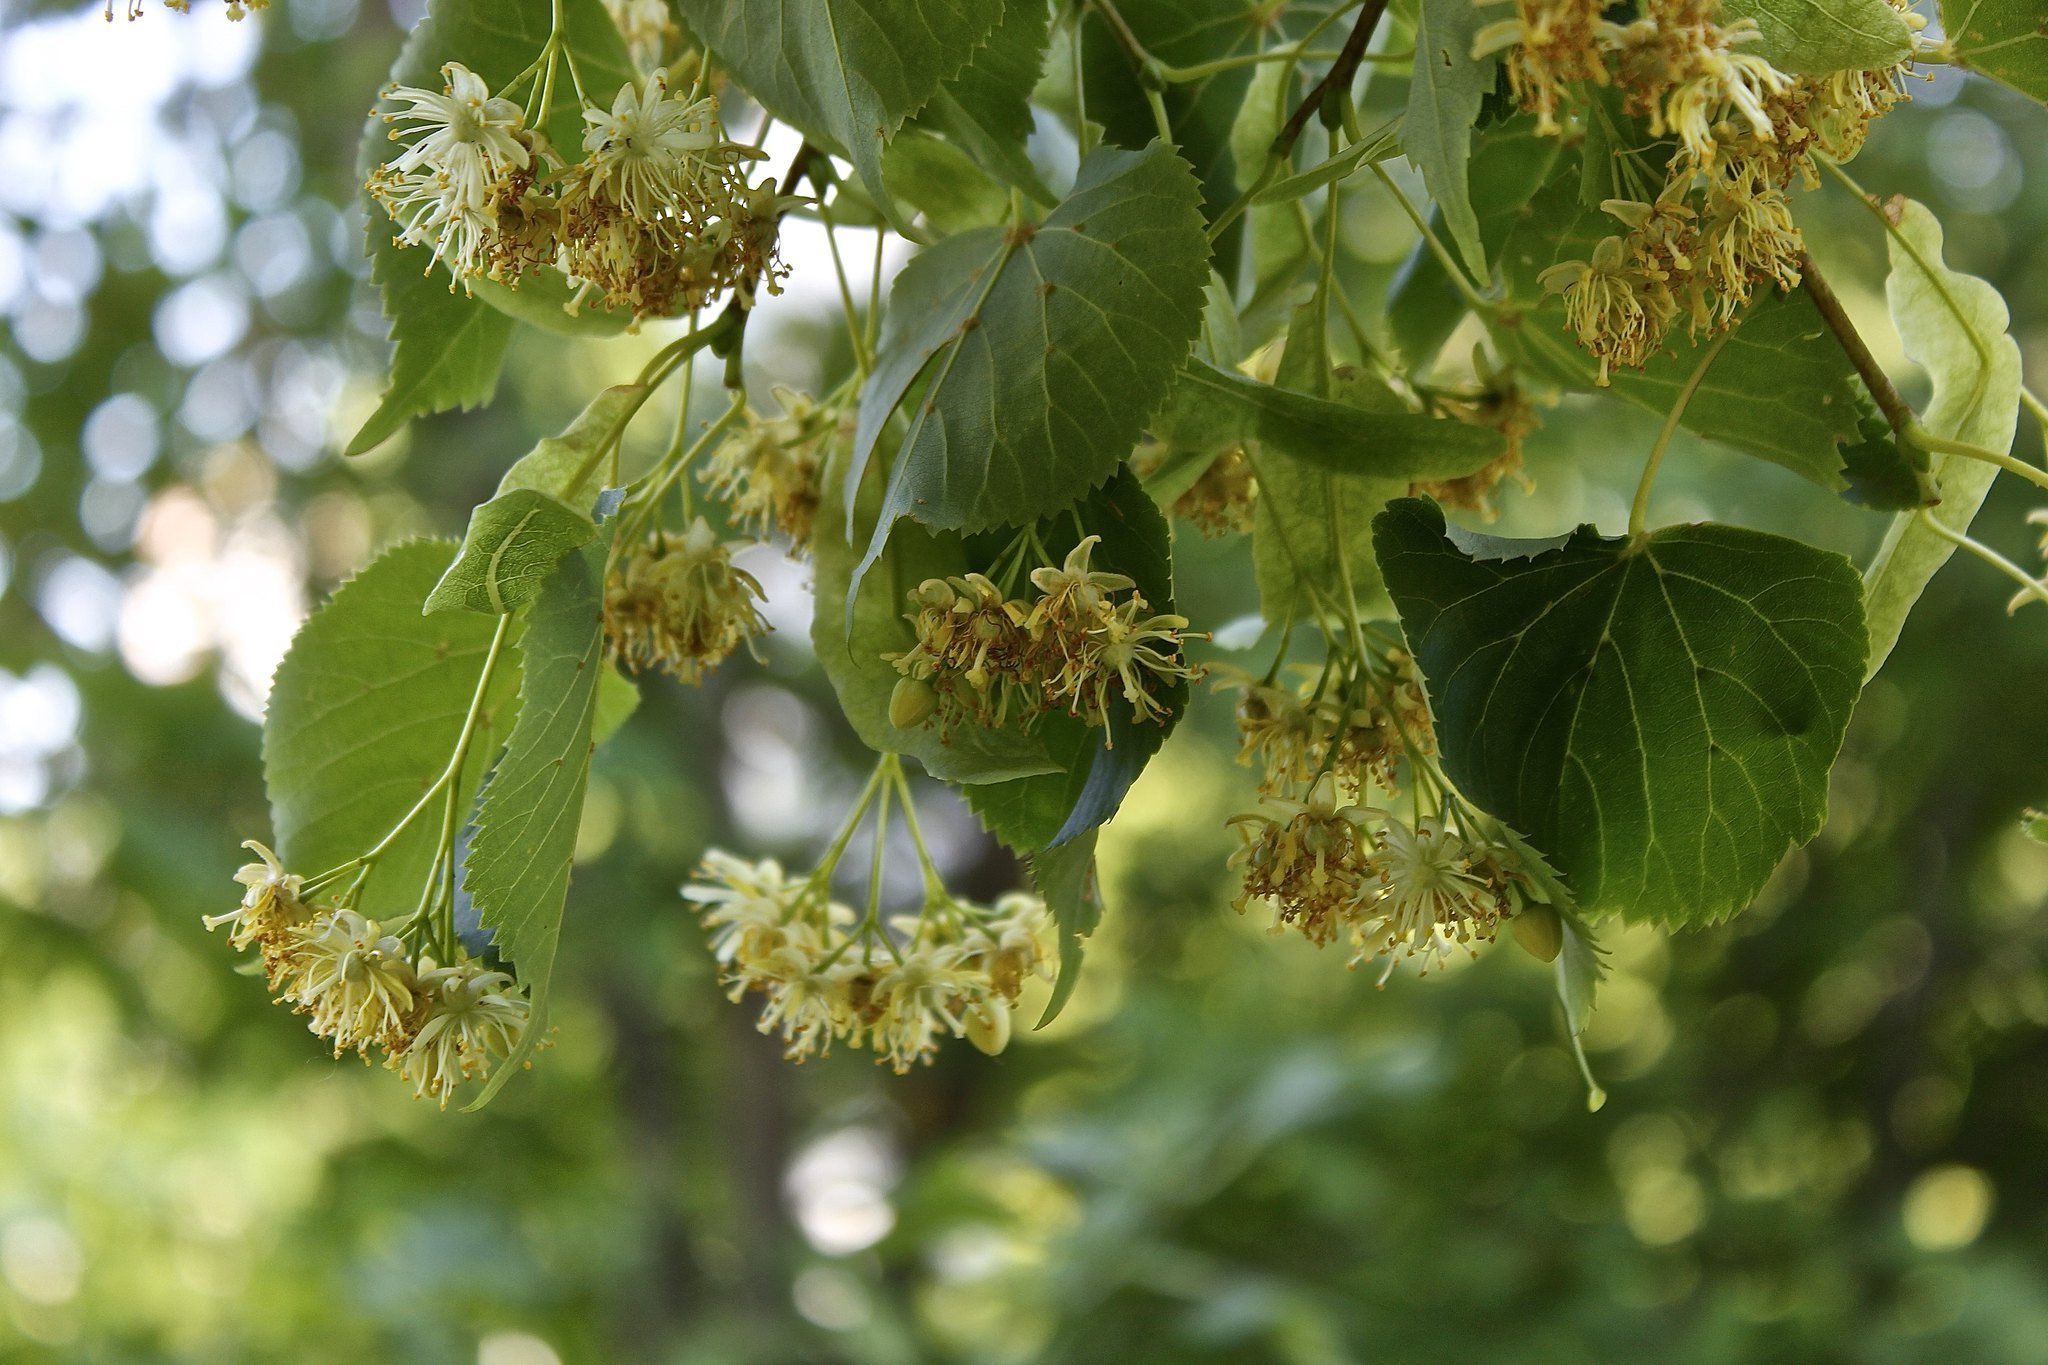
<point x="657" y="218"/>
<point x="1743" y="131"/>
<point x="363" y="988"/>
<point x="1086" y="643"/>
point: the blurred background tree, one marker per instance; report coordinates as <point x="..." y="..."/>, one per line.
<point x="1826" y="1133"/>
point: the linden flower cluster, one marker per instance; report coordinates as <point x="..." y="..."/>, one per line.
<point x="681" y="605"/>
<point x="955" y="970"/>
<point x="1333" y="866"/>
<point x="363" y="987"/>
<point x="769" y="473"/>
<point x="234" y="9"/>
<point x="657" y="218"/>
<point x="984" y="657"/>
<point x="1744" y="132"/>
<point x="1353" y="721"/>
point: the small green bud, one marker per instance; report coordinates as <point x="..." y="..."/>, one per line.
<point x="911" y="704"/>
<point x="1540" y="932"/>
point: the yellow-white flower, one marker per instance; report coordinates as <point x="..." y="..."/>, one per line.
<point x="270" y="905"/>
<point x="355" y="981"/>
<point x="1431" y="898"/>
<point x="654" y="155"/>
<point x="475" y="1018"/>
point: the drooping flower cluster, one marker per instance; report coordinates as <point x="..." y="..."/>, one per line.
<point x="362" y="987"/>
<point x="1087" y="641"/>
<point x="657" y="217"/>
<point x="1744" y="131"/>
<point x="1332" y="865"/>
<point x="769" y="473"/>
<point x="826" y="975"/>
<point x="233" y="9"/>
<point x="679" y="604"/>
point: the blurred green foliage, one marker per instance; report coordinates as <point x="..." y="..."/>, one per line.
<point x="1825" y="1136"/>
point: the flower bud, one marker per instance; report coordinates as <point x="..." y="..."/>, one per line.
<point x="1540" y="932"/>
<point x="988" y="1027"/>
<point x="911" y="703"/>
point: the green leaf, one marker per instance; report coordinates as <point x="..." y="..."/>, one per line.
<point x="847" y="73"/>
<point x="1883" y="474"/>
<point x="1815" y="37"/>
<point x="2006" y="40"/>
<point x="1380" y="146"/>
<point x="2034" y="824"/>
<point x="943" y="183"/>
<point x="512" y="546"/>
<point x="1259" y="119"/>
<point x="363" y="718"/>
<point x="543" y="300"/>
<point x="618" y="697"/>
<point x="563" y="466"/>
<point x="1212" y="408"/>
<point x="1954" y="326"/>
<point x="1096" y="767"/>
<point x="850" y="644"/>
<point x="1782" y="388"/>
<point x="1509" y="166"/>
<point x="986" y="108"/>
<point x="1043" y="349"/>
<point x="517" y="872"/>
<point x="1443" y="106"/>
<point x="1201" y="114"/>
<point x="447" y="347"/>
<point x="1658" y="717"/>
<point x="1066" y="879"/>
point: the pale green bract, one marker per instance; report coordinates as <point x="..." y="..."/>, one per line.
<point x="1954" y="325"/>
<point x="517" y="872"/>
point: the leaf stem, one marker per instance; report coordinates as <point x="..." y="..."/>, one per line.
<point x="853" y="322"/>
<point x="462" y="743"/>
<point x="1467" y="290"/>
<point x="1829" y="305"/>
<point x="1640" y="508"/>
<point x="2030" y="587"/>
<point x="1891" y="227"/>
<point x="1921" y="437"/>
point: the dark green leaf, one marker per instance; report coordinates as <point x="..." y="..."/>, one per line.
<point x="513" y="544"/>
<point x="1882" y="474"/>
<point x="363" y="718"/>
<point x="1042" y="350"/>
<point x="1816" y="37"/>
<point x="845" y="72"/>
<point x="1658" y="717"/>
<point x="2007" y="40"/>
<point x="986" y="109"/>
<point x="517" y="872"/>
<point x="1213" y="407"/>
